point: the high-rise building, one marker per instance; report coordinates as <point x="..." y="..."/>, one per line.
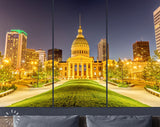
<point x="42" y="56"/>
<point x="102" y="50"/>
<point x="58" y="55"/>
<point x="50" y="56"/>
<point x="16" y="43"/>
<point x="141" y="52"/>
<point x="156" y="15"/>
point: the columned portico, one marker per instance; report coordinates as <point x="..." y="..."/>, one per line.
<point x="69" y="69"/>
<point x="77" y="69"/>
<point x="87" y="70"/>
<point x="82" y="70"/>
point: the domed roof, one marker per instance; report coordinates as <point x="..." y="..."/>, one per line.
<point x="80" y="41"/>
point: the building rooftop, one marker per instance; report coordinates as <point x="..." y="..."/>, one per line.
<point x="19" y="31"/>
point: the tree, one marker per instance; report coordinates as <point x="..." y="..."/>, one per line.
<point x="122" y="70"/>
<point x="6" y="74"/>
<point x="56" y="71"/>
<point x="112" y="70"/>
<point x="152" y="70"/>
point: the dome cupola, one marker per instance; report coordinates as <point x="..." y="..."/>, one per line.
<point x="80" y="46"/>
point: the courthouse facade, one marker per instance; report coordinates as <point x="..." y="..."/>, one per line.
<point x="80" y="65"/>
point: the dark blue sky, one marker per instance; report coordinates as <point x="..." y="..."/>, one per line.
<point x="66" y="14"/>
<point x="32" y="16"/>
<point x="130" y="21"/>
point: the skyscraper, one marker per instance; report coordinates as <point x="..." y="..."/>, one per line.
<point x="102" y="50"/>
<point x="16" y="43"/>
<point x="141" y="52"/>
<point x="156" y="15"/>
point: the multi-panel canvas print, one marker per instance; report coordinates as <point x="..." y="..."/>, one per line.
<point x="79" y="53"/>
<point x="25" y="63"/>
<point x="134" y="60"/>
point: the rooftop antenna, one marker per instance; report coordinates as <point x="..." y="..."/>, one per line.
<point x="141" y="38"/>
<point x="80" y="20"/>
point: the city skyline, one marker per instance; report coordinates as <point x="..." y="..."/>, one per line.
<point x="66" y="23"/>
<point x="135" y="23"/>
<point x="38" y="24"/>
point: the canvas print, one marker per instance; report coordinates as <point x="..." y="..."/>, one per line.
<point x="79" y="53"/>
<point x="25" y="58"/>
<point x="134" y="48"/>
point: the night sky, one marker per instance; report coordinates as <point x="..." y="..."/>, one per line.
<point x="66" y="23"/>
<point x="130" y="21"/>
<point x="32" y="16"/>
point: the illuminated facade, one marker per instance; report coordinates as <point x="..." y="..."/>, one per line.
<point x="15" y="46"/>
<point x="80" y="65"/>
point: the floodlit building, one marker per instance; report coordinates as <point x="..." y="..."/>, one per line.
<point x="15" y="46"/>
<point x="80" y="65"/>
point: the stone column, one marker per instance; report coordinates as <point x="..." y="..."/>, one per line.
<point x="77" y="69"/>
<point x="87" y="70"/>
<point x="82" y="70"/>
<point x="73" y="70"/>
<point x="69" y="68"/>
<point x="91" y="70"/>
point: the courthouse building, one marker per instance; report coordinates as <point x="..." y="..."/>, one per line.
<point x="80" y="65"/>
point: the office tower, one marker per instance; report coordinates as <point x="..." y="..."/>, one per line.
<point x="16" y="43"/>
<point x="50" y="56"/>
<point x="102" y="50"/>
<point x="141" y="52"/>
<point x="58" y="55"/>
<point x="156" y="15"/>
<point x="42" y="56"/>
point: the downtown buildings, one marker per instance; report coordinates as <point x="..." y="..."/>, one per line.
<point x="17" y="53"/>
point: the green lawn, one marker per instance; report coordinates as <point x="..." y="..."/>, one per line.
<point x="41" y="100"/>
<point x="80" y="93"/>
<point x="118" y="100"/>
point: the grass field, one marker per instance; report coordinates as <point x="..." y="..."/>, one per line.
<point x="80" y="93"/>
<point x="118" y="100"/>
<point x="41" y="100"/>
